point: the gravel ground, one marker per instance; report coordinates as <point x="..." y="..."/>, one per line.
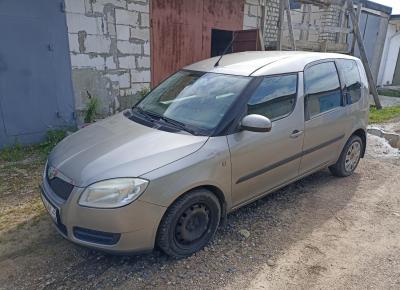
<point x="320" y="232"/>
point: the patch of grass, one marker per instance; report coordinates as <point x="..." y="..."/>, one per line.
<point x="18" y="152"/>
<point x="13" y="153"/>
<point x="389" y="93"/>
<point x="383" y="115"/>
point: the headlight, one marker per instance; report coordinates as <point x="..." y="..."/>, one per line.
<point x="113" y="192"/>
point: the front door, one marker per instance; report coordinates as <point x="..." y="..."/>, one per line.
<point x="263" y="161"/>
<point x="326" y="122"/>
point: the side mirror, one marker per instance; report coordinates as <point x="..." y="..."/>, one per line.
<point x="256" y="123"/>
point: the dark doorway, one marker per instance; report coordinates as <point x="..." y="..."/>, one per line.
<point x="220" y="40"/>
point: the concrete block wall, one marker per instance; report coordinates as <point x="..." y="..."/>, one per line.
<point x="110" y="51"/>
<point x="271" y="23"/>
<point x="252" y="14"/>
<point x="330" y="17"/>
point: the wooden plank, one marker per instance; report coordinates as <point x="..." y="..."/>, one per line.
<point x="363" y="54"/>
<point x="353" y="43"/>
<point x="280" y="24"/>
<point x="289" y="19"/>
<point x="316" y="28"/>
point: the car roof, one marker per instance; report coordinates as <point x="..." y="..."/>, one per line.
<point x="259" y="63"/>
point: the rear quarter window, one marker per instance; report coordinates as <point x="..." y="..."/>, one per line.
<point x="351" y="80"/>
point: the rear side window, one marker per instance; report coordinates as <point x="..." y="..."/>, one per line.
<point x="322" y="89"/>
<point x="351" y="79"/>
<point x="275" y="97"/>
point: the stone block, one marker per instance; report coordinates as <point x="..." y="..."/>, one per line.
<point x="73" y="42"/>
<point x="75" y="6"/>
<point x="144" y="20"/>
<point x="140" y="76"/>
<point x="97" y="44"/>
<point x="126" y="17"/>
<point x="122" y="78"/>
<point x="127" y="62"/>
<point x="87" y="61"/>
<point x="110" y="63"/>
<point x="140" y="33"/>
<point x="249" y="21"/>
<point x="146" y="48"/>
<point x="253" y="10"/>
<point x="79" y="22"/>
<point x="138" y="7"/>
<point x="123" y="32"/>
<point x="143" y="62"/>
<point x="126" y="47"/>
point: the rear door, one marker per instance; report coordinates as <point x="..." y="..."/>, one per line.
<point x="325" y="116"/>
<point x="263" y="161"/>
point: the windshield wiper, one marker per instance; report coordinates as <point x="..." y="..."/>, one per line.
<point x="173" y="122"/>
<point x="145" y="114"/>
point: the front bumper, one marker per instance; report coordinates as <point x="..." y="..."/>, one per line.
<point x="131" y="228"/>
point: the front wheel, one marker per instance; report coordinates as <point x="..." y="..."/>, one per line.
<point x="349" y="158"/>
<point x="189" y="224"/>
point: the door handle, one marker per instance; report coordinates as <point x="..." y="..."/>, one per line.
<point x="296" y="133"/>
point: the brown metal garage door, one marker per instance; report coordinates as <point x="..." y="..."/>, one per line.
<point x="181" y="31"/>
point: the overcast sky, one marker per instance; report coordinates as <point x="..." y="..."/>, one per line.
<point x="395" y="4"/>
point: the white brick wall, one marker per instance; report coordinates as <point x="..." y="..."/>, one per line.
<point x="109" y="45"/>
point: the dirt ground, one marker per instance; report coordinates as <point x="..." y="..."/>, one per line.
<point x="320" y="232"/>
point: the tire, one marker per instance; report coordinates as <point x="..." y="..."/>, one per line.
<point x="349" y="158"/>
<point x="189" y="223"/>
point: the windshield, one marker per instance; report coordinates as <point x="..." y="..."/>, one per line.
<point x="196" y="99"/>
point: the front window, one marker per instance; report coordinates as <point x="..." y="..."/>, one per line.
<point x="275" y="97"/>
<point x="196" y="99"/>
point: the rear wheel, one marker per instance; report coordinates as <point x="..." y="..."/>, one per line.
<point x="349" y="158"/>
<point x="189" y="224"/>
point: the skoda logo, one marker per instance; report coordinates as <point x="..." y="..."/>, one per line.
<point x="51" y="173"/>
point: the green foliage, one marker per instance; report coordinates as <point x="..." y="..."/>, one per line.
<point x="143" y="92"/>
<point x="18" y="152"/>
<point x="383" y="115"/>
<point x="13" y="153"/>
<point x="91" y="110"/>
<point x="52" y="139"/>
<point x="389" y="93"/>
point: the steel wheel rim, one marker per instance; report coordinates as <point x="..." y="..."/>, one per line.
<point x="352" y="156"/>
<point x="193" y="224"/>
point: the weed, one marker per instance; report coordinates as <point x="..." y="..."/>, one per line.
<point x="13" y="153"/>
<point x="53" y="137"/>
<point x="143" y="92"/>
<point x="18" y="152"/>
<point x="91" y="109"/>
<point x="383" y="115"/>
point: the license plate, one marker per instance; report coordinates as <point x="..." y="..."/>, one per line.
<point x="50" y="208"/>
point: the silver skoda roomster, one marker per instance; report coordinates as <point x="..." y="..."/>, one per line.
<point x="206" y="141"/>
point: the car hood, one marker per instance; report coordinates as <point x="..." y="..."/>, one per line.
<point x="118" y="147"/>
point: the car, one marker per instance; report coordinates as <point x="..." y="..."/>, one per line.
<point x="212" y="137"/>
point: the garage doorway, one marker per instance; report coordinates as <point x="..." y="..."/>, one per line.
<point x="181" y="31"/>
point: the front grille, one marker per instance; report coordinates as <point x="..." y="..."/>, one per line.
<point x="97" y="237"/>
<point x="60" y="187"/>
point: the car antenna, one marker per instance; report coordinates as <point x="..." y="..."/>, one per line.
<point x="226" y="49"/>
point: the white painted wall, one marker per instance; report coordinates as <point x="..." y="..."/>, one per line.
<point x="390" y="54"/>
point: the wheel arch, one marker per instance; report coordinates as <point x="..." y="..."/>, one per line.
<point x="363" y="135"/>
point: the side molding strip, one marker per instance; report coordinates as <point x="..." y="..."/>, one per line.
<point x="287" y="160"/>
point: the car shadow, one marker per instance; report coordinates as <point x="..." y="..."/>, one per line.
<point x="274" y="223"/>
